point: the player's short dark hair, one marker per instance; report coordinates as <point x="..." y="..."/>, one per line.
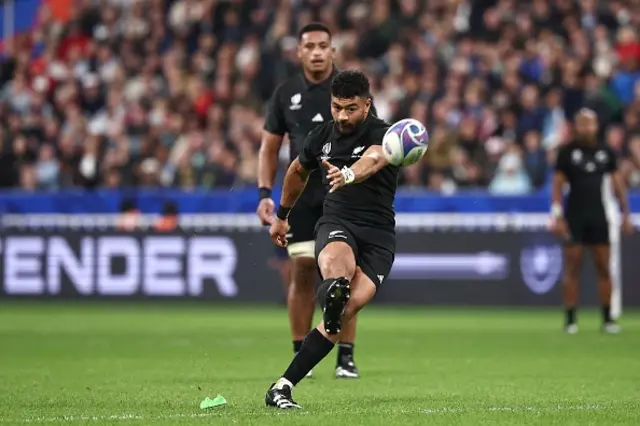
<point x="313" y="27"/>
<point x="350" y="84"/>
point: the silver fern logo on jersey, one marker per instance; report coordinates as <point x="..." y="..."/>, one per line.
<point x="541" y="266"/>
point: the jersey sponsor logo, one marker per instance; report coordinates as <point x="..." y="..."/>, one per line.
<point x="317" y="118"/>
<point x="326" y="150"/>
<point x="380" y="278"/>
<point x="541" y="265"/>
<point x="357" y="152"/>
<point x="295" y="102"/>
<point x="337" y="234"/>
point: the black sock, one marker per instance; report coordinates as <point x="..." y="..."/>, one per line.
<point x="314" y="348"/>
<point x="345" y="350"/>
<point x="297" y="344"/>
<point x="571" y="316"/>
<point x="606" y="314"/>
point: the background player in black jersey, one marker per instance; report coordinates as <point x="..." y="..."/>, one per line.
<point x="590" y="170"/>
<point x="296" y="107"/>
<point x="355" y="237"/>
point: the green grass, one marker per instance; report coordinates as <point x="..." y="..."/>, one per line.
<point x="152" y="364"/>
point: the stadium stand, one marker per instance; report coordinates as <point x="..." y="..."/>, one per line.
<point x="153" y="93"/>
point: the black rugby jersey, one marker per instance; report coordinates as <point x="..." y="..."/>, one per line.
<point x="587" y="169"/>
<point x="296" y="107"/>
<point x="368" y="203"/>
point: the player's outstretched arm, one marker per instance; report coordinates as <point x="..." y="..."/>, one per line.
<point x="368" y="165"/>
<point x="294" y="182"/>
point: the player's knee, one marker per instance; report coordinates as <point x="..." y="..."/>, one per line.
<point x="304" y="273"/>
<point x="337" y="261"/>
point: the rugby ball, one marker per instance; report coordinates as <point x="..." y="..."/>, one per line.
<point x="405" y="142"/>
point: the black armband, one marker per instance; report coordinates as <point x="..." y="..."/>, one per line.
<point x="283" y="212"/>
<point x="264" y="192"/>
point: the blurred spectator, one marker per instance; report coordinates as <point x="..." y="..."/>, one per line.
<point x="170" y="93"/>
<point x="511" y="177"/>
<point x="129" y="219"/>
<point x="535" y="159"/>
<point x="168" y="222"/>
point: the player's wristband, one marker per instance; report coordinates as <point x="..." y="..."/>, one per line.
<point x="348" y="175"/>
<point x="557" y="211"/>
<point x="283" y="212"/>
<point x="264" y="192"/>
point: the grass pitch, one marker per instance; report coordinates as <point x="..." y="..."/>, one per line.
<point x="126" y="364"/>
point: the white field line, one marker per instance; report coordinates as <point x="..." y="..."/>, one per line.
<point x="516" y="409"/>
<point x="444" y="410"/>
<point x="114" y="417"/>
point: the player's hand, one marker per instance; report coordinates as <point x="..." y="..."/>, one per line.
<point x="278" y="232"/>
<point x="265" y="211"/>
<point x="334" y="176"/>
<point x="559" y="228"/>
<point x="627" y="225"/>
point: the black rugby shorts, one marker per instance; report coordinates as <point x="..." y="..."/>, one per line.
<point x="373" y="246"/>
<point x="588" y="229"/>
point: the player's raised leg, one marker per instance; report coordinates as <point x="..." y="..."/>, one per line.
<point x="337" y="265"/>
<point x="342" y="294"/>
<point x="601" y="256"/>
<point x="302" y="294"/>
<point x="360" y="290"/>
<point x="570" y="285"/>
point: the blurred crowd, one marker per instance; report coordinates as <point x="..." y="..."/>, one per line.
<point x="171" y="92"/>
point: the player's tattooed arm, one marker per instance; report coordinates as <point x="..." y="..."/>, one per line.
<point x="294" y="182"/>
